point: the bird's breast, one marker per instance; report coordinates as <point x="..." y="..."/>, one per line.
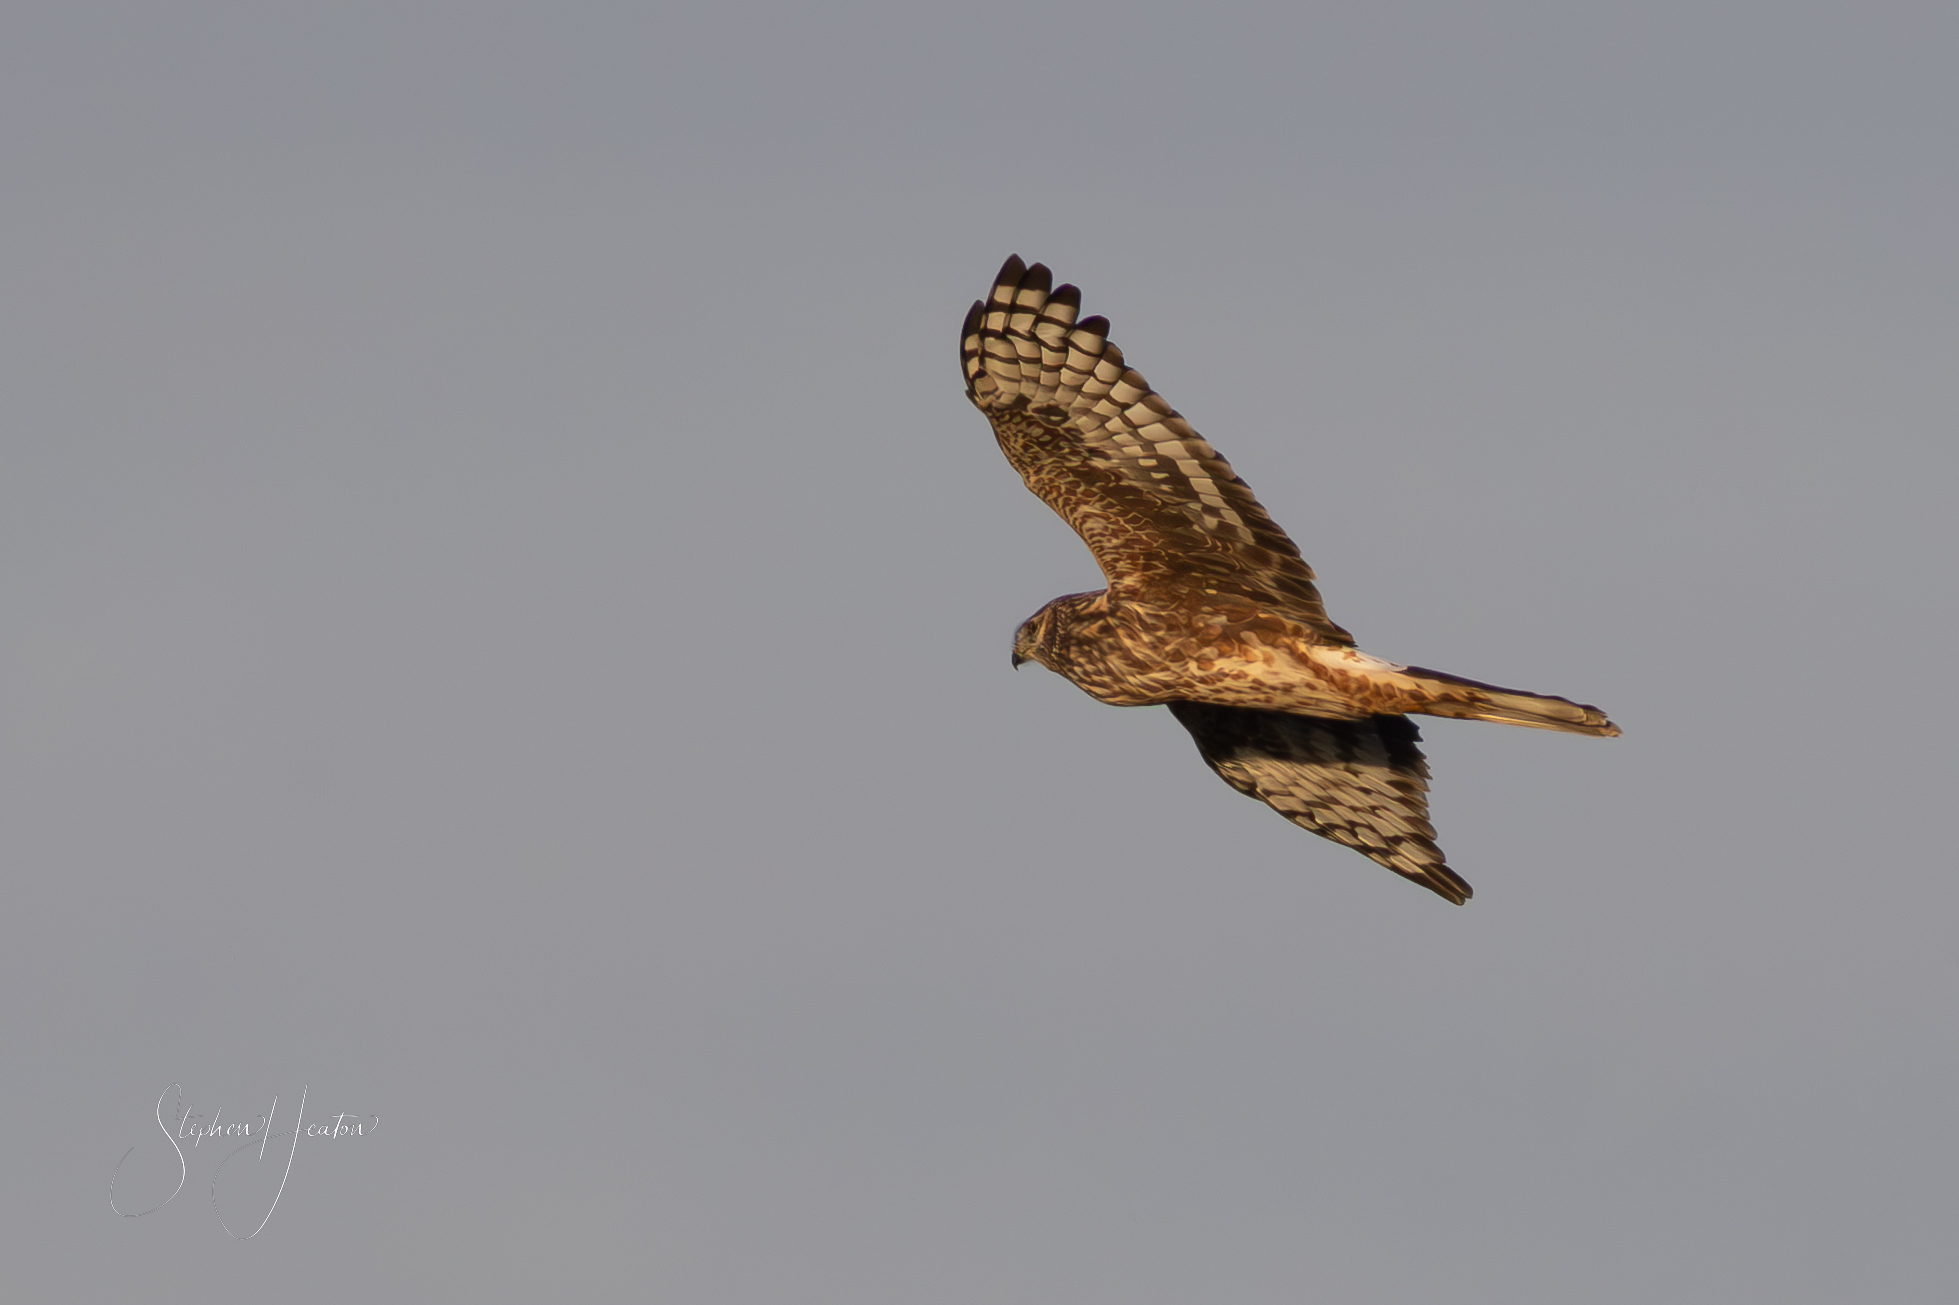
<point x="1134" y="655"/>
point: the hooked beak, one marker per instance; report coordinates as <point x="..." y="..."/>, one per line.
<point x="1018" y="659"/>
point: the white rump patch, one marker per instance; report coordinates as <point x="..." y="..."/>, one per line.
<point x="1367" y="663"/>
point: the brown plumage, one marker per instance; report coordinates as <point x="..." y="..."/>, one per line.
<point x="1210" y="609"/>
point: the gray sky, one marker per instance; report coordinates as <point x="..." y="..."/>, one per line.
<point x="506" y="615"/>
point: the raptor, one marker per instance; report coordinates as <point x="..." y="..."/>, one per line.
<point x="1210" y="610"/>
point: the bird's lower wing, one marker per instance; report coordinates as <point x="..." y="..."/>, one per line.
<point x="1362" y="783"/>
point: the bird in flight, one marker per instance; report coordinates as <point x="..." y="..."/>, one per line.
<point x="1210" y="609"/>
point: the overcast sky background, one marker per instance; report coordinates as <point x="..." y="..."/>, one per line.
<point x="506" y="620"/>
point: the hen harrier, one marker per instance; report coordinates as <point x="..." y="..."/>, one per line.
<point x="1210" y="610"/>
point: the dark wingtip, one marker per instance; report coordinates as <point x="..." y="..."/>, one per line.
<point x="1444" y="882"/>
<point x="1438" y="879"/>
<point x="1011" y="271"/>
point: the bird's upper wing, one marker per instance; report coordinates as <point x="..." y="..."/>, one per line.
<point x="1362" y="783"/>
<point x="1158" y="506"/>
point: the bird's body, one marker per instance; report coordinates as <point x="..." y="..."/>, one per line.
<point x="1210" y="609"/>
<point x="1232" y="652"/>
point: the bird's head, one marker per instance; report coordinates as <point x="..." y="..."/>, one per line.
<point x="1030" y="636"/>
<point x="1044" y="637"/>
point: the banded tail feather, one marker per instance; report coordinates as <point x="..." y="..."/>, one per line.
<point x="1539" y="711"/>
